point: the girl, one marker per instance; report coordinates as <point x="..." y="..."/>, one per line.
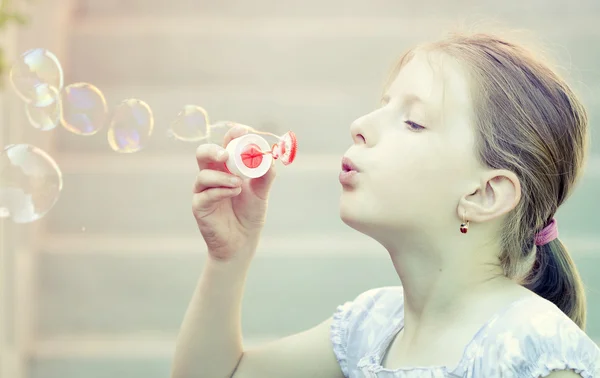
<point x="458" y="175"/>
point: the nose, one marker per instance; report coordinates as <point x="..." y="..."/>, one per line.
<point x="357" y="132"/>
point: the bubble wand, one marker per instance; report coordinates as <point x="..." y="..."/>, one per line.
<point x="251" y="156"/>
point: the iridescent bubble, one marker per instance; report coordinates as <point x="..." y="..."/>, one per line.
<point x="131" y="126"/>
<point x="190" y="125"/>
<point x="45" y="117"/>
<point x="30" y="183"/>
<point x="84" y="109"/>
<point x="35" y="72"/>
<point x="218" y="130"/>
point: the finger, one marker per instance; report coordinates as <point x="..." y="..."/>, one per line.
<point x="207" y="199"/>
<point x="210" y="178"/>
<point x="262" y="185"/>
<point x="235" y="132"/>
<point x="210" y="155"/>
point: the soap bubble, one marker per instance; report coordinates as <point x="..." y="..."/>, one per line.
<point x="34" y="74"/>
<point x="218" y="130"/>
<point x="45" y="95"/>
<point x="30" y="183"/>
<point x="190" y="125"/>
<point x="84" y="109"/>
<point x="44" y="117"/>
<point x="131" y="126"/>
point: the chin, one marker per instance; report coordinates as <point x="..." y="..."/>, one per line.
<point x="368" y="221"/>
<point x="358" y="226"/>
<point x="364" y="227"/>
<point x="356" y="219"/>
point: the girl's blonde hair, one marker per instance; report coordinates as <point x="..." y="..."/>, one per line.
<point x="530" y="122"/>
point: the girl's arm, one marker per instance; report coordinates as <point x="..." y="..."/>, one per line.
<point x="230" y="216"/>
<point x="210" y="340"/>
<point x="305" y="354"/>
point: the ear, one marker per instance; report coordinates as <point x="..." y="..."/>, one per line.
<point x="497" y="193"/>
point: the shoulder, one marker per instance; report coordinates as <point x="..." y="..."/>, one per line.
<point x="536" y="339"/>
<point x="357" y="324"/>
<point x="375" y="305"/>
<point x="379" y="298"/>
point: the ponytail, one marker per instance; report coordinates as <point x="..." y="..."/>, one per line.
<point x="554" y="277"/>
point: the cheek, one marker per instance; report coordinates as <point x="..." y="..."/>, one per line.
<point x="420" y="173"/>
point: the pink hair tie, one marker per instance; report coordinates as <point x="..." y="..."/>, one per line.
<point x="547" y="234"/>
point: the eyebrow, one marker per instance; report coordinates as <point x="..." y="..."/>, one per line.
<point x="407" y="99"/>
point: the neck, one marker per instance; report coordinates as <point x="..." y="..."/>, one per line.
<point x="440" y="280"/>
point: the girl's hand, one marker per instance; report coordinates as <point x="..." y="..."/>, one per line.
<point x="230" y="211"/>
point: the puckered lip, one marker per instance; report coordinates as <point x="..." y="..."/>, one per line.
<point x="348" y="165"/>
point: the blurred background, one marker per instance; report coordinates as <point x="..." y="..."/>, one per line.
<point x="98" y="287"/>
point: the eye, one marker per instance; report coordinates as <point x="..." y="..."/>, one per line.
<point x="414" y="126"/>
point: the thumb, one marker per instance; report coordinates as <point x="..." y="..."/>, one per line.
<point x="262" y="185"/>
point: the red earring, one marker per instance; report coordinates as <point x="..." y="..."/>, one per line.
<point x="464" y="226"/>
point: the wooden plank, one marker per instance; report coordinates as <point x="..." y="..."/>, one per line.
<point x="12" y="363"/>
<point x="24" y="309"/>
<point x="122" y="346"/>
<point x="17" y="311"/>
<point x="112" y="294"/>
<point x="109" y="367"/>
<point x="185" y="163"/>
<point x="276" y="52"/>
<point x="338" y="25"/>
<point x="137" y="203"/>
<point x="320" y="116"/>
<point x="156" y="345"/>
<point x="333" y="8"/>
<point x="100" y="368"/>
<point x="315" y="245"/>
